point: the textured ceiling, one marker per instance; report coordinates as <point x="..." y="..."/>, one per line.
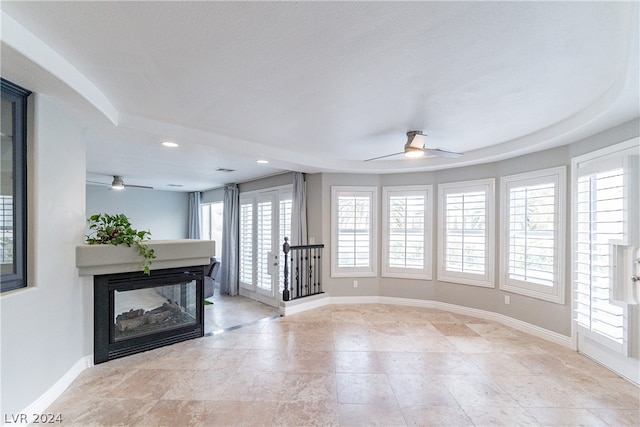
<point x="321" y="86"/>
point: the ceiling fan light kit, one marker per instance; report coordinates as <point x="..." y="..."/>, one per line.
<point x="415" y="148"/>
<point x="413" y="152"/>
<point x="118" y="183"/>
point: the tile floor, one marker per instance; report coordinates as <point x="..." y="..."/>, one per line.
<point x="354" y="365"/>
<point x="226" y="312"/>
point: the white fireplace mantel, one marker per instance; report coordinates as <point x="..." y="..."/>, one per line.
<point x="93" y="260"/>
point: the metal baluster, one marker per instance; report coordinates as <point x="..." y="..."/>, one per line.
<point x="298" y="284"/>
<point x="320" y="271"/>
<point x="312" y="270"/>
<point x="285" y="248"/>
<point x="303" y="286"/>
<point x="315" y="270"/>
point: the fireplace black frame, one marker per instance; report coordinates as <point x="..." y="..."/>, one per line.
<point x="105" y="346"/>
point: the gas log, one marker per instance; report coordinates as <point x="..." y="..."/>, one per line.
<point x="133" y="319"/>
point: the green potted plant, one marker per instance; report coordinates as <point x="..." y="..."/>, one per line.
<point x="116" y="230"/>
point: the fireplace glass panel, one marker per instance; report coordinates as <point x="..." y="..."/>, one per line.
<point x="155" y="309"/>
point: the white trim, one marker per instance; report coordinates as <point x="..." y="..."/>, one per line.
<point x="534" y="330"/>
<point x="603" y="351"/>
<point x="287" y="308"/>
<point x="56" y="390"/>
<point x="622" y="146"/>
<point x="627" y="368"/>
<point x="557" y="176"/>
<point x="425" y="273"/>
<point x="483" y="280"/>
<point x="275" y="195"/>
<point x="372" y="269"/>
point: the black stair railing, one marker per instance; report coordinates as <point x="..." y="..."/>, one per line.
<point x="302" y="270"/>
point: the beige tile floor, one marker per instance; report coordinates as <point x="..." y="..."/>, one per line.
<point x="354" y="365"/>
<point x="226" y="312"/>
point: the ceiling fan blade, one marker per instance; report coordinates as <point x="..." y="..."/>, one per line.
<point x="382" y="157"/>
<point x="138" y="186"/>
<point x="99" y="183"/>
<point x="436" y="152"/>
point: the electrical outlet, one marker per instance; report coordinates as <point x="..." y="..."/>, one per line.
<point x="507" y="299"/>
<point x="355" y="283"/>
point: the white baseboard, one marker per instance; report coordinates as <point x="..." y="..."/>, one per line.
<point x="44" y="401"/>
<point x="288" y="308"/>
<point x="537" y="331"/>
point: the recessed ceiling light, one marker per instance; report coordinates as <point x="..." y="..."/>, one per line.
<point x="262" y="161"/>
<point x="170" y="144"/>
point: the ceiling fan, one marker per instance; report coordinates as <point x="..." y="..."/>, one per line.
<point x="415" y="148"/>
<point x="118" y="184"/>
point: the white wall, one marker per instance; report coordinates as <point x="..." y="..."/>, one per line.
<point x="164" y="213"/>
<point x="46" y="328"/>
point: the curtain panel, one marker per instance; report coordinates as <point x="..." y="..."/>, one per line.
<point x="194" y="215"/>
<point x="299" y="211"/>
<point x="230" y="245"/>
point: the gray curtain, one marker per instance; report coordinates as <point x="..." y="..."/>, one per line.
<point x="299" y="211"/>
<point x="230" y="246"/>
<point x="194" y="215"/>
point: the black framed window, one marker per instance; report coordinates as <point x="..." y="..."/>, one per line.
<point x="13" y="186"/>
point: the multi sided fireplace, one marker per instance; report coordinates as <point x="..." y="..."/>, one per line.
<point x="135" y="313"/>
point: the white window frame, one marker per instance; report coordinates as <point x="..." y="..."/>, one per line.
<point x="425" y="191"/>
<point x="556" y="176"/>
<point x="371" y="269"/>
<point x="481" y="185"/>
<point x="209" y="226"/>
<point x="253" y="198"/>
<point x="601" y="160"/>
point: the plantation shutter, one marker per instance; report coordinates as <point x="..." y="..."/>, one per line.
<point x="354" y="237"/>
<point x="532" y="211"/>
<point x="264" y="243"/>
<point x="465" y="232"/>
<point x="406" y="231"/>
<point x="246" y="242"/>
<point x="353" y="218"/>
<point x="600" y="211"/>
<point x="466" y="242"/>
<point x="532" y="251"/>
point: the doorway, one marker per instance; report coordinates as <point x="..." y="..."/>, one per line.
<point x="606" y="239"/>
<point x="265" y="219"/>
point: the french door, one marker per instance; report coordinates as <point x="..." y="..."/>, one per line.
<point x="606" y="256"/>
<point x="265" y="218"/>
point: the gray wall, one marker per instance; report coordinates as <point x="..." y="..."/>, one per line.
<point x="47" y="327"/>
<point x="268" y="182"/>
<point x="211" y="196"/>
<point x="217" y="194"/>
<point x="164" y="213"/>
<point x="551" y="316"/>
